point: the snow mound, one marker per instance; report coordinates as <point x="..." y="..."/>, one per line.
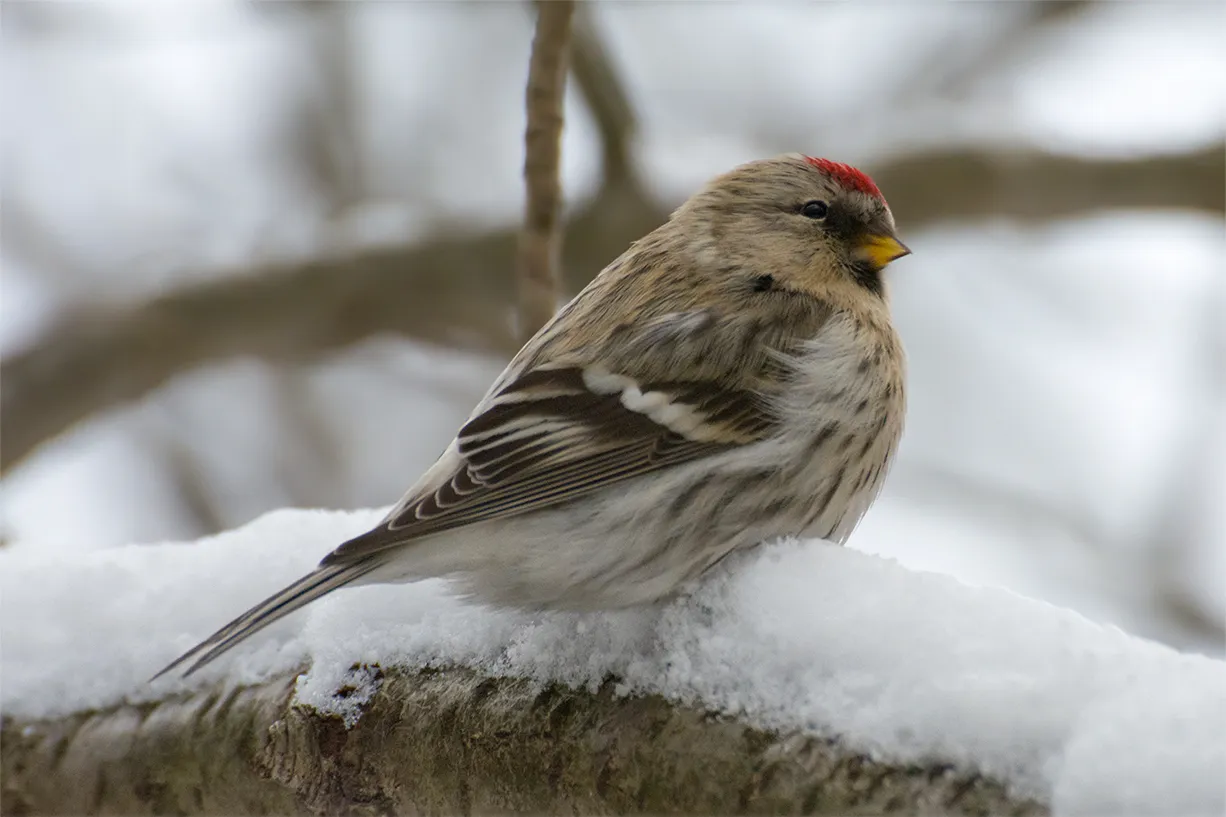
<point x="906" y="666"/>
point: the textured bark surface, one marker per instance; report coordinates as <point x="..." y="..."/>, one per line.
<point x="454" y="743"/>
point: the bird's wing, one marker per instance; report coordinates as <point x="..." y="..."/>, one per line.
<point x="544" y="436"/>
<point x="553" y="435"/>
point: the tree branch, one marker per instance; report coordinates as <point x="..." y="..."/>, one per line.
<point x="452" y="742"/>
<point x="602" y="89"/>
<point x="967" y="185"/>
<point x="537" y="269"/>
<point x="327" y="143"/>
<point x="456" y="291"/>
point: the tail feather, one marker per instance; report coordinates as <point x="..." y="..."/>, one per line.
<point x="315" y="584"/>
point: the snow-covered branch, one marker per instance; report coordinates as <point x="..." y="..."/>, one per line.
<point x="800" y="677"/>
<point x="453" y="742"/>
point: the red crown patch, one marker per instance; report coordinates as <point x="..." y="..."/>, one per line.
<point x="847" y="176"/>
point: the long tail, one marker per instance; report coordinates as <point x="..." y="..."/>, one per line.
<point x="319" y="582"/>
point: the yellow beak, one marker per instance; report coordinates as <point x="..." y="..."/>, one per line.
<point x="880" y="250"/>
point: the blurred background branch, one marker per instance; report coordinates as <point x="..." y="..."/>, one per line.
<point x="456" y="291"/>
<point x="952" y="72"/>
<point x="538" y="278"/>
<point x="968" y="185"/>
<point x="328" y="146"/>
<point x="606" y="99"/>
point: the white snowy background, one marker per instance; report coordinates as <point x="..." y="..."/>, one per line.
<point x="1066" y="438"/>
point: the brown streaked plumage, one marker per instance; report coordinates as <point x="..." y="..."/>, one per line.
<point x="734" y="376"/>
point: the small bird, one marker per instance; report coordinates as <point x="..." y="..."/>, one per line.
<point x="733" y="377"/>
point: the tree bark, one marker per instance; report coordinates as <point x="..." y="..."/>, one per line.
<point x="453" y="742"/>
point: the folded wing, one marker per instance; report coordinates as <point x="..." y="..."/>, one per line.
<point x="556" y="434"/>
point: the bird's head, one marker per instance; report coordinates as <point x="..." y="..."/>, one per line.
<point x="813" y="224"/>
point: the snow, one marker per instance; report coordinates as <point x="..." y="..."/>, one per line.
<point x="907" y="666"/>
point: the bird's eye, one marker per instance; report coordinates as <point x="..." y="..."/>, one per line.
<point x="814" y="209"/>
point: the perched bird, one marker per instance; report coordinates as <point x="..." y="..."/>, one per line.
<point x="733" y="377"/>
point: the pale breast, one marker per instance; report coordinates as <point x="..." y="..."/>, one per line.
<point x="844" y="416"/>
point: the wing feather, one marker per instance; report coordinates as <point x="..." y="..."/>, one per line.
<point x="320" y="582"/>
<point x="546" y="438"/>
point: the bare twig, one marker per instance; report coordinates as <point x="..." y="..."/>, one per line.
<point x="602" y="89"/>
<point x="457" y="291"/>
<point x="183" y="469"/>
<point x="311" y="463"/>
<point x="328" y="143"/>
<point x="952" y="72"/>
<point x="29" y="239"/>
<point x="539" y="244"/>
